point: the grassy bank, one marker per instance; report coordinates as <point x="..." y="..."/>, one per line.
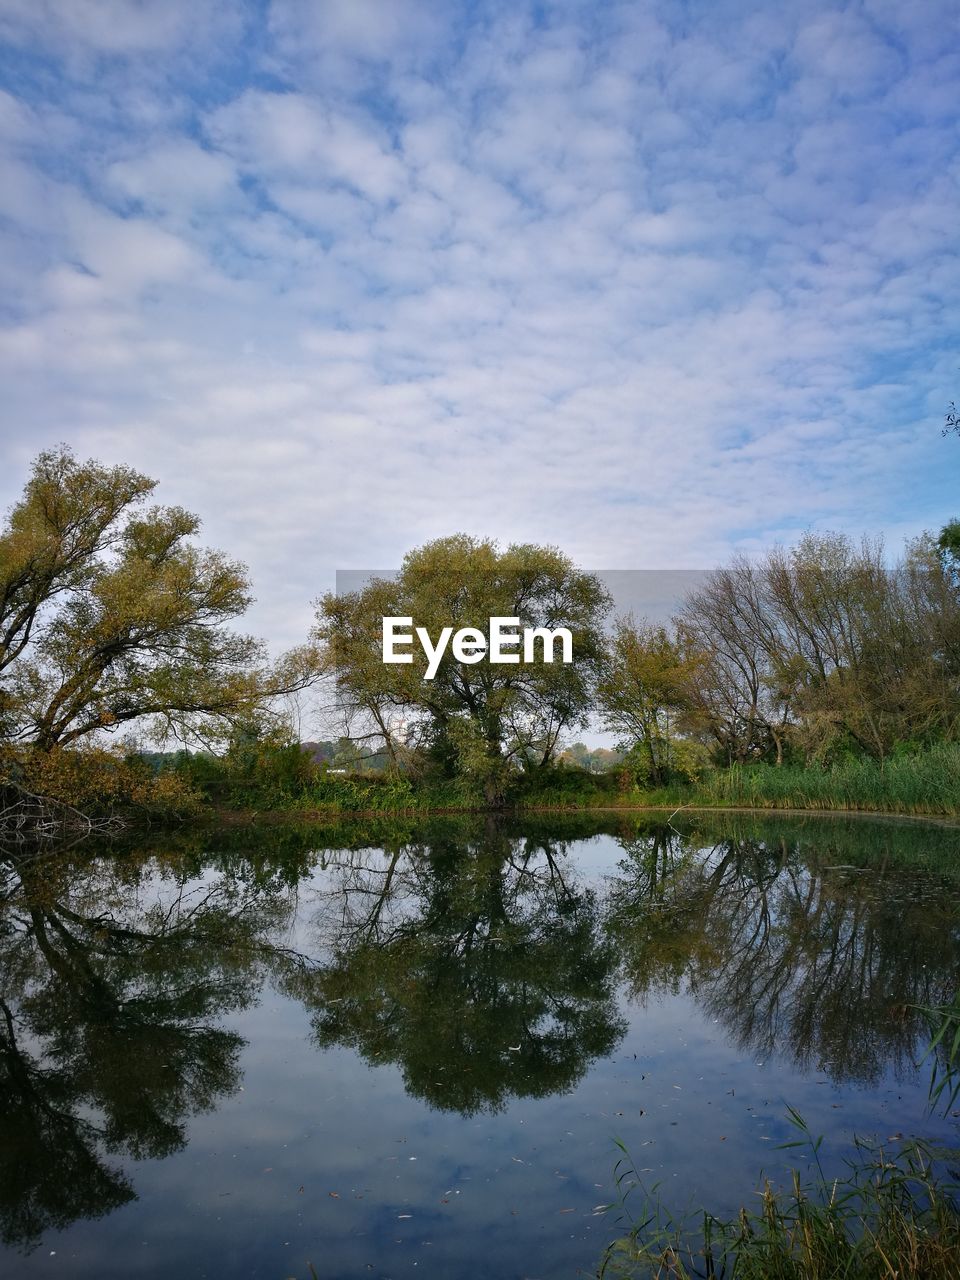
<point x="285" y="783"/>
<point x="922" y="782"/>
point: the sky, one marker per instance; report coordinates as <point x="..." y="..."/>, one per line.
<point x="652" y="282"/>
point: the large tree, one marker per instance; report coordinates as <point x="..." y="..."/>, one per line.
<point x="479" y="719"/>
<point x="110" y="613"/>
<point x="644" y="691"/>
<point x="826" y="648"/>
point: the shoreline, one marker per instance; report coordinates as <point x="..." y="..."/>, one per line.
<point x="316" y="817"/>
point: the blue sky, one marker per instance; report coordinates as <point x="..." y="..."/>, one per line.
<point x="653" y="282"/>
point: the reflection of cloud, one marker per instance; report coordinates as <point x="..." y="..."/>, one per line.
<point x="349" y="276"/>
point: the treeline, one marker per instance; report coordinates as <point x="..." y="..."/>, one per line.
<point x="823" y="663"/>
<point x="809" y="655"/>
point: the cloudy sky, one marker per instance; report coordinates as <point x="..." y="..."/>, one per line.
<point x="650" y="281"/>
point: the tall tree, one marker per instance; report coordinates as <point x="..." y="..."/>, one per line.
<point x="731" y="696"/>
<point x="480" y="718"/>
<point x="827" y="648"/>
<point x="109" y="613"/>
<point x="644" y="690"/>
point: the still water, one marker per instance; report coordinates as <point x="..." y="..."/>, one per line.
<point x="401" y="1050"/>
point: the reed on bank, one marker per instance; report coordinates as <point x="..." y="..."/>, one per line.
<point x="892" y="1216"/>
<point x="926" y="781"/>
<point x="285" y="781"/>
<point x="908" y="782"/>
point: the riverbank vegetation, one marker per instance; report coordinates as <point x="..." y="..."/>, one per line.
<point x="891" y="1217"/>
<point x="815" y="677"/>
<point x="281" y="779"/>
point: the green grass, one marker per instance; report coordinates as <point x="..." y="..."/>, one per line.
<point x="890" y="1217"/>
<point x="923" y="782"/>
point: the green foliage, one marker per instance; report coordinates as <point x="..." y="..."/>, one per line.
<point x="103" y="782"/>
<point x="949" y="546"/>
<point x="597" y="760"/>
<point x="926" y="781"/>
<point x="272" y="773"/>
<point x="823" y="649"/>
<point x="109" y="613"/>
<point x="819" y="660"/>
<point x="641" y="695"/>
<point x="944" y="1051"/>
<point x="470" y="719"/>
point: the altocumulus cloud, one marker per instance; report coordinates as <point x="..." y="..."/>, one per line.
<point x="650" y="281"/>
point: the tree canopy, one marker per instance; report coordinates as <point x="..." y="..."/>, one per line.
<point x="644" y="692"/>
<point x="110" y="613"/>
<point x="480" y="718"/>
<point x="825" y="648"/>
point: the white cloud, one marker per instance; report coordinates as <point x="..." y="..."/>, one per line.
<point x="369" y="29"/>
<point x="845" y="51"/>
<point x="113" y="27"/>
<point x="177" y="175"/>
<point x="128" y="254"/>
<point x="291" y="133"/>
<point x="647" y="288"/>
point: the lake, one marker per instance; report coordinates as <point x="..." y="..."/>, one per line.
<point x="395" y="1049"/>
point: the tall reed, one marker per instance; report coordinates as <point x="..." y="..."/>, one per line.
<point x="891" y="1217"/>
<point x="921" y="782"/>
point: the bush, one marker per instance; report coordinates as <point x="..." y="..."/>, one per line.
<point x="99" y="781"/>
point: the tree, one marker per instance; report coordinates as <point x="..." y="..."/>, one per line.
<point x="644" y="690"/>
<point x="952" y="420"/>
<point x="110" y="613"/>
<point x="731" y="695"/>
<point x="478" y="720"/>
<point x="826" y="648"/>
<point x="949" y="540"/>
<point x="949" y="546"/>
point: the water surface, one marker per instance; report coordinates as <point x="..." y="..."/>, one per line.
<point x="397" y="1049"/>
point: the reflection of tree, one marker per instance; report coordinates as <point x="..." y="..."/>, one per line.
<point x="822" y="964"/>
<point x="115" y="981"/>
<point x="476" y="966"/>
<point x="50" y="1170"/>
<point x="473" y="959"/>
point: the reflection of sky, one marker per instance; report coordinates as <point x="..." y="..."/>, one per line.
<point x="321" y="1154"/>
